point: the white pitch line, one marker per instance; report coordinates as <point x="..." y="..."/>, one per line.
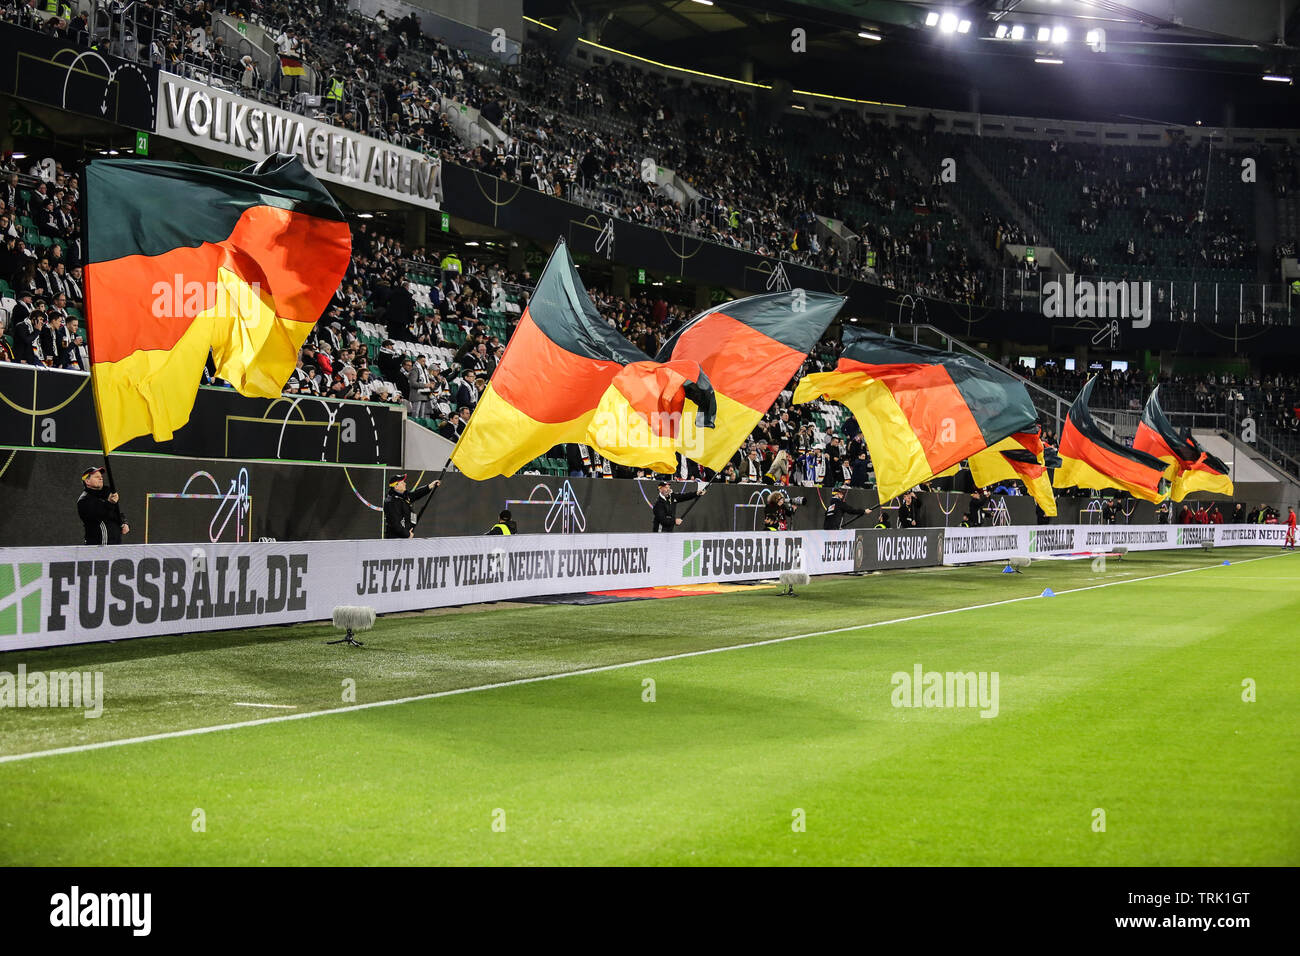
<point x="240" y="703"/>
<point x="517" y="682"/>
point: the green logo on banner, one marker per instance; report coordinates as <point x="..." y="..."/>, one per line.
<point x="640" y="276"/>
<point x="692" y="558"/>
<point x="142" y="144"/>
<point x="446" y="222"/>
<point x="20" y="602"/>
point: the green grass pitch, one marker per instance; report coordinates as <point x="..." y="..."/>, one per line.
<point x="1122" y="695"/>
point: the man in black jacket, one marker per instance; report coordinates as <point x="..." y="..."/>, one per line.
<point x="666" y="505"/>
<point x="98" y="509"/>
<point x="399" y="515"/>
<point x="838" y="510"/>
<point x="906" y="513"/>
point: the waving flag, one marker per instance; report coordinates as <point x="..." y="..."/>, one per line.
<point x="291" y="66"/>
<point x="1018" y="457"/>
<point x="1092" y="459"/>
<point x="1190" y="468"/>
<point x="921" y="410"/>
<point x="749" y="349"/>
<point x="183" y="260"/>
<point x="568" y="376"/>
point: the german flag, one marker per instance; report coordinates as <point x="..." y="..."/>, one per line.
<point x="1092" y="459"/>
<point x="921" y="410"/>
<point x="1191" y="468"/>
<point x="291" y="66"/>
<point x="568" y="376"/>
<point x="183" y="260"/>
<point x="1018" y="457"/>
<point x="750" y="349"/>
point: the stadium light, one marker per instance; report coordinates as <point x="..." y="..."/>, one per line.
<point x="706" y="3"/>
<point x="1060" y="35"/>
<point x="1018" y="32"/>
<point x="1053" y="61"/>
<point x="931" y="18"/>
<point x="948" y="23"/>
<point x="1001" y="31"/>
<point x="1276" y="78"/>
<point x="869" y="36"/>
<point x="963" y="27"/>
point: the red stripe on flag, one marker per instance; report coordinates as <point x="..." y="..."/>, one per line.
<point x="742" y="363"/>
<point x="934" y="407"/>
<point x="1077" y="446"/>
<point x="547" y="383"/>
<point x="281" y="252"/>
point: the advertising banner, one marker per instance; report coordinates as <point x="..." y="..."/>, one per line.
<point x="53" y="408"/>
<point x="884" y="550"/>
<point x="224" y="121"/>
<point x="53" y="596"/>
<point x="968" y="545"/>
<point x="57" y="73"/>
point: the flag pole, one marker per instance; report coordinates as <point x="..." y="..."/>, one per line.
<point x="716" y="475"/>
<point x="429" y="499"/>
<point x="84" y="204"/>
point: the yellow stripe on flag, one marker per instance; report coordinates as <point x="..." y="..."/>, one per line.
<point x="623" y="435"/>
<point x="988" y="467"/>
<point x="1193" y="482"/>
<point x="500" y="439"/>
<point x="896" y="453"/>
<point x="732" y="425"/>
<point x="1076" y="473"/>
<point x="254" y="349"/>
<point x="151" y="392"/>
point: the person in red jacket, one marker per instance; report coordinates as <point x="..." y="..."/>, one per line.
<point x="1290" y="528"/>
<point x="1202" y="516"/>
<point x="1216" y="516"/>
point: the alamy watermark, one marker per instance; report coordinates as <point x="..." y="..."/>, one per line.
<point x="76" y="908"/>
<point x="226" y="295"/>
<point x="1097" y="299"/>
<point x="922" y="688"/>
<point x="75" y="689"/>
<point x="627" y="428"/>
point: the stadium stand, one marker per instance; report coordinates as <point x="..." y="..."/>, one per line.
<point x="840" y="193"/>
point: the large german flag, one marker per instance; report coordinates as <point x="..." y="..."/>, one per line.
<point x="568" y="376"/>
<point x="1190" y="467"/>
<point x="1018" y="457"/>
<point x="921" y="410"/>
<point x="183" y="260"/>
<point x="1092" y="459"/>
<point x="750" y="349"/>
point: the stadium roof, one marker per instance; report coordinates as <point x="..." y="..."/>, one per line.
<point x="1168" y="61"/>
